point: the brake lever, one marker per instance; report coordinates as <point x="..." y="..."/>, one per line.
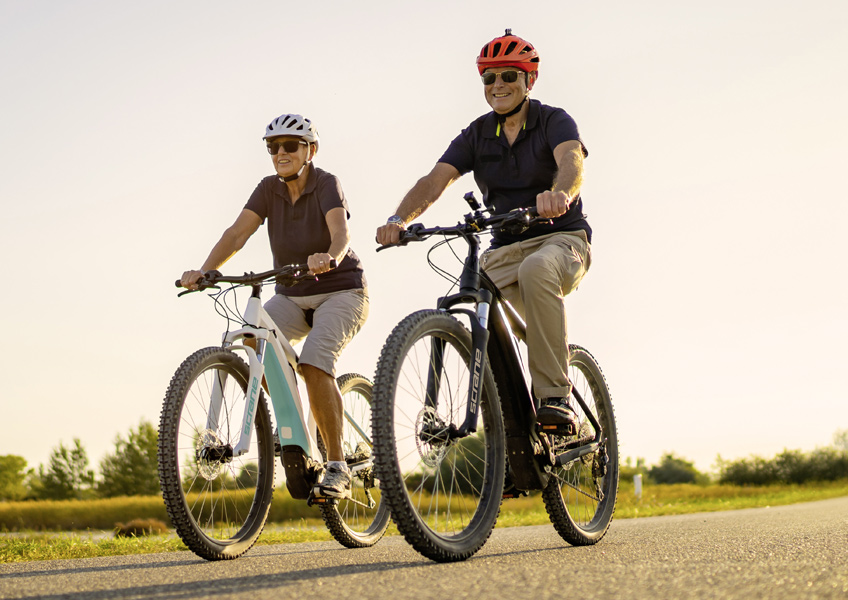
<point x="410" y="234"/>
<point x="208" y="276"/>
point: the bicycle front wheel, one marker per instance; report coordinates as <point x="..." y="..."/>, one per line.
<point x="217" y="502"/>
<point x="580" y="496"/>
<point x="443" y="488"/>
<point x="360" y="520"/>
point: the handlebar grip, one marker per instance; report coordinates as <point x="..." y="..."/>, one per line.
<point x="178" y="283"/>
<point x="333" y="263"/>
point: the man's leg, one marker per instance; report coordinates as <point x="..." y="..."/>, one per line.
<point x="545" y="277"/>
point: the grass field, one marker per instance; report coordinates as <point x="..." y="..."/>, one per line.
<point x="656" y="500"/>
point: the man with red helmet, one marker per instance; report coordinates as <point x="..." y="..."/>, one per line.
<point x="523" y="153"/>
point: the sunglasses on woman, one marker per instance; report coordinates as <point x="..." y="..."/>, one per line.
<point x="506" y="77"/>
<point x="290" y="146"/>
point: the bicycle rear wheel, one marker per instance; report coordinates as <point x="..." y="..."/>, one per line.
<point x="217" y="502"/>
<point x="444" y="491"/>
<point x="360" y="520"/>
<point x="581" y="495"/>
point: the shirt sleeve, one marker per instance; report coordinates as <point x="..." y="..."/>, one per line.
<point x="460" y="153"/>
<point x="258" y="202"/>
<point x="561" y="127"/>
<point x="330" y="195"/>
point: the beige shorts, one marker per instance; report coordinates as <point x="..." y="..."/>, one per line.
<point x="335" y="318"/>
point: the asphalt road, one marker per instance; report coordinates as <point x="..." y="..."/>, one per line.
<point x="798" y="551"/>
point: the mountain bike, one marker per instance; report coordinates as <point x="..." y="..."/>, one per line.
<point x="454" y="417"/>
<point x="218" y="443"/>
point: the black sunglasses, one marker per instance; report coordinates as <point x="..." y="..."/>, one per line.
<point x="506" y="77"/>
<point x="290" y="146"/>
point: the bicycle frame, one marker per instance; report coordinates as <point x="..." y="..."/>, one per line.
<point x="495" y="332"/>
<point x="275" y="359"/>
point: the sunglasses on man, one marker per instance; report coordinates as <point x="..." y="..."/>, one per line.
<point x="506" y="76"/>
<point x="290" y="146"/>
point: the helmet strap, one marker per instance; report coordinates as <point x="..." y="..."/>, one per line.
<point x="503" y="117"/>
<point x="296" y="175"/>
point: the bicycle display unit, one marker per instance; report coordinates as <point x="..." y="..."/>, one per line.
<point x="454" y="419"/>
<point x="218" y="443"/>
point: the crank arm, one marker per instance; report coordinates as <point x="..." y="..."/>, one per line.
<point x="572" y="455"/>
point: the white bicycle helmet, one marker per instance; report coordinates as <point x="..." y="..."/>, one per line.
<point x="295" y="125"/>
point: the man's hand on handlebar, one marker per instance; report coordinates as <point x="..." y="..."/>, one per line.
<point x="389" y="234"/>
<point x="552" y="204"/>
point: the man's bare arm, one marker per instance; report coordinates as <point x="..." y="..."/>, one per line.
<point x="423" y="194"/>
<point x="566" y="185"/>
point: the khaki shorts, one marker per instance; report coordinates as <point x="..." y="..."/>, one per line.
<point x="335" y="318"/>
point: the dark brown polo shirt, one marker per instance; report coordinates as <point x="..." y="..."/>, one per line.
<point x="299" y="230"/>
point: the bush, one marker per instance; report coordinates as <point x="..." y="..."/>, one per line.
<point x="790" y="466"/>
<point x="673" y="469"/>
<point x="140" y="527"/>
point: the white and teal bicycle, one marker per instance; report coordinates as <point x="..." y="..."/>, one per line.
<point x="218" y="442"/>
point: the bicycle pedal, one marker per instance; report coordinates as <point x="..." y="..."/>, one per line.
<point x="301" y="472"/>
<point x="565" y="429"/>
<point x="315" y="497"/>
<point x="514" y="492"/>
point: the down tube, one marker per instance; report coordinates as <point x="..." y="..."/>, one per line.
<point x="287" y="408"/>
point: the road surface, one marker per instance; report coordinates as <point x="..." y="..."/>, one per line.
<point x="798" y="551"/>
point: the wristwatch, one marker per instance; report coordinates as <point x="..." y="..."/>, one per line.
<point x="395" y="220"/>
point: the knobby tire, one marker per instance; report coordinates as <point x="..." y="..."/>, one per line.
<point x="444" y="494"/>
<point x="218" y="505"/>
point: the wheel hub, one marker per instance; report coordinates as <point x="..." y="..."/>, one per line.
<point x="212" y="455"/>
<point x="432" y="437"/>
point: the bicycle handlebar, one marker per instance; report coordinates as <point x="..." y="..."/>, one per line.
<point x="287" y="276"/>
<point x="475" y="222"/>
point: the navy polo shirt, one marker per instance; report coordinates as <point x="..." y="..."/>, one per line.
<point x="510" y="177"/>
<point x="299" y="230"/>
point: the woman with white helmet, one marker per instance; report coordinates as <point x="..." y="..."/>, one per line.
<point x="307" y="223"/>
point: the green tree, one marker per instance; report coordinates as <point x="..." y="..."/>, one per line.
<point x="67" y="475"/>
<point x="673" y="469"/>
<point x="133" y="468"/>
<point x="840" y="440"/>
<point x="248" y="476"/>
<point x="12" y="476"/>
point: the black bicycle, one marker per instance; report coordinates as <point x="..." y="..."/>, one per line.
<point x="454" y="419"/>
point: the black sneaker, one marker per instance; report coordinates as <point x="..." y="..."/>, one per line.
<point x="301" y="471"/>
<point x="557" y="417"/>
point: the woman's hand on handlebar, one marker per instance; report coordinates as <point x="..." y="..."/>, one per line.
<point x="320" y="262"/>
<point x="190" y="279"/>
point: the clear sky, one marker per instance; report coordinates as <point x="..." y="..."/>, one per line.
<point x="716" y="302"/>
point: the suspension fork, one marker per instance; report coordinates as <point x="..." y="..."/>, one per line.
<point x="477" y="360"/>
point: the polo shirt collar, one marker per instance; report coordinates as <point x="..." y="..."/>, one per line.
<point x="490" y="126"/>
<point x="311" y="182"/>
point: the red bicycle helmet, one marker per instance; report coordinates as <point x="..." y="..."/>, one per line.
<point x="509" y="51"/>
